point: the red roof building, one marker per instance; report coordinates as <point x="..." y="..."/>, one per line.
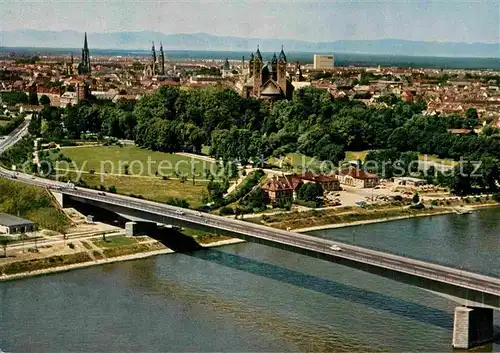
<point x="358" y="178"/>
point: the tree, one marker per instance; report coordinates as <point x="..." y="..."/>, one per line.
<point x="23" y="237"/>
<point x="4" y="242"/>
<point x="44" y="100"/>
<point x="33" y="98"/>
<point x="416" y="199"/>
<point x="112" y="189"/>
<point x="430" y="175"/>
<point x="496" y="197"/>
<point x="310" y="192"/>
<point x="178" y="202"/>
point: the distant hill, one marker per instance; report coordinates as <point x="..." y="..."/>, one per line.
<point x="204" y="41"/>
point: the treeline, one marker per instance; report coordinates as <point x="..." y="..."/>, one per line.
<point x="11" y="125"/>
<point x="312" y="123"/>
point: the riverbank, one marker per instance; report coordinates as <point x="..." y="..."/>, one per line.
<point x="102" y="261"/>
<point x="331" y="220"/>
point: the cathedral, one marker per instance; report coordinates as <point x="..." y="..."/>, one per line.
<point x="266" y="81"/>
<point x="84" y="68"/>
<point x="156" y="67"/>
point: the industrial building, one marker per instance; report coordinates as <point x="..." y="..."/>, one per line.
<point x="14" y="225"/>
<point x="323" y="62"/>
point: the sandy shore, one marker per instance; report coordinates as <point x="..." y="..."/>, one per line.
<point x="141" y="255"/>
<point x="388" y="219"/>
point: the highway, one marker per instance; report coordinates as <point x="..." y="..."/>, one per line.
<point x="400" y="264"/>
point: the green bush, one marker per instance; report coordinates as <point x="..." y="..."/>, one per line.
<point x="496" y="196"/>
<point x="434" y="203"/>
<point x="178" y="202"/>
<point x="225" y="211"/>
<point x="310" y="204"/>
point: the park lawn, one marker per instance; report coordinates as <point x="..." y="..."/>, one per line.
<point x="33" y="203"/>
<point x="205" y="150"/>
<point x="355" y="155"/>
<point x="112" y="159"/>
<point x="4" y="122"/>
<point x="296" y="161"/>
<point x="436" y="159"/>
<point x="114" y="241"/>
<point x="154" y="189"/>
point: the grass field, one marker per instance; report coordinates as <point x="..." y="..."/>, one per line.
<point x="355" y="155"/>
<point x="296" y="161"/>
<point x="115" y="241"/>
<point x="154" y="189"/>
<point x="113" y="159"/>
<point x="432" y="158"/>
<point x="33" y="203"/>
<point x="4" y="122"/>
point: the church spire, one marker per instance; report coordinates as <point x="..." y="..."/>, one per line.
<point x="282" y="56"/>
<point x="84" y="67"/>
<point x="258" y="54"/>
<point x="153" y="59"/>
<point x="162" y="60"/>
<point x="85" y="45"/>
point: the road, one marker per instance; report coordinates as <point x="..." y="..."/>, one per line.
<point x="400" y="264"/>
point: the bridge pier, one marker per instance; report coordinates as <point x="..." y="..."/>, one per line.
<point x="472" y="326"/>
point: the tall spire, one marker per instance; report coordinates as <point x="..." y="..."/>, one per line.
<point x="85" y="45"/>
<point x="84" y="68"/>
<point x="153" y="59"/>
<point x="162" y="60"/>
<point x="282" y="56"/>
<point x="258" y="54"/>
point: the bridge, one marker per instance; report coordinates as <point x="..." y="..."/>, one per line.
<point x="478" y="293"/>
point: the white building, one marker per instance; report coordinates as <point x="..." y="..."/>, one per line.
<point x="323" y="62"/>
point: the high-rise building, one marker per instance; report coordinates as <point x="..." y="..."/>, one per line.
<point x="323" y="62"/>
<point x="84" y="68"/>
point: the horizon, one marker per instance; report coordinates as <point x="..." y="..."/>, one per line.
<point x="90" y="33"/>
<point x="312" y="21"/>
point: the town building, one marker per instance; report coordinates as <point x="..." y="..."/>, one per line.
<point x="409" y="181"/>
<point x="269" y="81"/>
<point x="327" y="182"/>
<point x="278" y="189"/>
<point x="358" y="178"/>
<point x="14" y="225"/>
<point x="323" y="62"/>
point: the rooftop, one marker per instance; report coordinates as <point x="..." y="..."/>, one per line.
<point x="11" y="221"/>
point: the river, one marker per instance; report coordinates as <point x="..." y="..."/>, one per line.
<point x="248" y="297"/>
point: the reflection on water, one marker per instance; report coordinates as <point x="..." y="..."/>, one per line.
<point x="244" y="297"/>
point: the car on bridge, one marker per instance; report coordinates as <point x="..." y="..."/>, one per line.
<point x="336" y="248"/>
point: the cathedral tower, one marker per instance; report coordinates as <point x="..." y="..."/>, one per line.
<point x="162" y="60"/>
<point x="257" y="73"/>
<point x="250" y="65"/>
<point x="153" y="59"/>
<point x="84" y="67"/>
<point x="282" y="71"/>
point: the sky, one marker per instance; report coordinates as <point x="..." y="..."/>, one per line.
<point x="316" y="21"/>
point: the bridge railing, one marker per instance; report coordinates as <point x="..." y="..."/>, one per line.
<point x="412" y="256"/>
